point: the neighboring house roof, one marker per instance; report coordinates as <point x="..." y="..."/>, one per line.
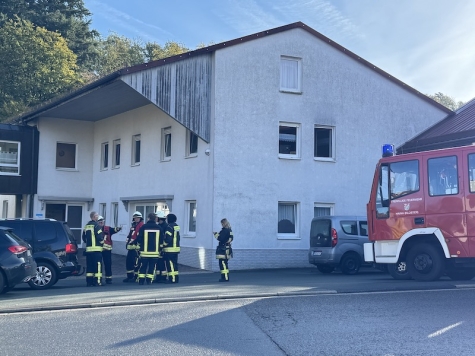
<point x="110" y="95"/>
<point x="455" y="130"/>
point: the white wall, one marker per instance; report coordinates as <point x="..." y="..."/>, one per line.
<point x="366" y="109"/>
<point x="10" y="199"/>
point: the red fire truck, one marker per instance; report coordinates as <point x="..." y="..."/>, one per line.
<point x="421" y="214"/>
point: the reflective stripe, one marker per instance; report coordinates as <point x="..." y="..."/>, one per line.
<point x="94" y="249"/>
<point x="171" y="249"/>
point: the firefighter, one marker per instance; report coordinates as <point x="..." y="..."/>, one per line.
<point x="94" y="239"/>
<point x="131" y="262"/>
<point x="148" y="242"/>
<point x="161" y="273"/>
<point x="171" y="248"/>
<point x="224" y="252"/>
<point x="107" y="247"/>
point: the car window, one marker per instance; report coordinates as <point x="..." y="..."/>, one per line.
<point x="349" y="227"/>
<point x="320" y="233"/>
<point x="44" y="231"/>
<point x="7" y="238"/>
<point x="363" y="228"/>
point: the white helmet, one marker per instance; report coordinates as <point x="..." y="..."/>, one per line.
<point x="100" y="218"/>
<point x="160" y="214"/>
<point x="137" y="214"/>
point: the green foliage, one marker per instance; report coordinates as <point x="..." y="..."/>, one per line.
<point x="36" y="65"/>
<point x="69" y="18"/>
<point x="154" y="51"/>
<point x="447" y="101"/>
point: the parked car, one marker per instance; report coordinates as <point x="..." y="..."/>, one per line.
<point x="337" y="242"/>
<point x="17" y="264"/>
<point x="54" y="249"/>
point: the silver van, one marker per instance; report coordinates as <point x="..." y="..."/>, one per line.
<point x="337" y="242"/>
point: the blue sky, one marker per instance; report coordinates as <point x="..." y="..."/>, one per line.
<point x="428" y="44"/>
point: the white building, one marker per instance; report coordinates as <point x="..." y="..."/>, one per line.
<point x="280" y="125"/>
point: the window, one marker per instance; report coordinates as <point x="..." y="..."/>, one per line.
<point x="287" y="226"/>
<point x="9" y="158"/>
<point x="349" y="227"/>
<point x="116" y="154"/>
<point x="190" y="227"/>
<point x="66" y="155"/>
<point x="135" y="150"/>
<point x="322" y="209"/>
<point x="5" y="209"/>
<point x="115" y="214"/>
<point x="443" y="176"/>
<point x="105" y="155"/>
<point x="191" y="144"/>
<point x="290" y="74"/>
<point x="166" y="144"/>
<point x="471" y="172"/>
<point x="324" y="144"/>
<point x="404" y="178"/>
<point x="146" y="208"/>
<point x="289" y="140"/>
<point x="103" y="211"/>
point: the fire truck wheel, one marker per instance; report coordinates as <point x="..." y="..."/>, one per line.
<point x="399" y="270"/>
<point x="425" y="262"/>
<point x="460" y="274"/>
<point x="350" y="263"/>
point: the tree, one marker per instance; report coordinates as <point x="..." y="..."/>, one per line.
<point x="36" y="65"/>
<point x="69" y="18"/>
<point x="117" y="52"/>
<point x="154" y="51"/>
<point x="446" y="100"/>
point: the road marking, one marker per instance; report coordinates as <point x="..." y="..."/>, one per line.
<point x="441" y="331"/>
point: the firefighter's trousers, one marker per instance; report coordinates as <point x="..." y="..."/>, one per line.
<point x="131" y="263"/>
<point x="171" y="262"/>
<point x="107" y="260"/>
<point x="93" y="268"/>
<point x="161" y="272"/>
<point x="147" y="266"/>
<point x="223" y="267"/>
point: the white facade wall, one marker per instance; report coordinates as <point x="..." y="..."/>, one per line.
<point x="7" y="202"/>
<point x="366" y="109"/>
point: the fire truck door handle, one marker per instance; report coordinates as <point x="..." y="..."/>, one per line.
<point x="419" y="221"/>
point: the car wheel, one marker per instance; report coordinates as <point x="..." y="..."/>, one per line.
<point x="325" y="268"/>
<point x="45" y="278"/>
<point x="425" y="262"/>
<point x="3" y="287"/>
<point x="350" y="263"/>
<point x="460" y="274"/>
<point x="399" y="270"/>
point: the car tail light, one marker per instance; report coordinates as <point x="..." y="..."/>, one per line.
<point x="17" y="249"/>
<point x="71" y="248"/>
<point x="334" y="238"/>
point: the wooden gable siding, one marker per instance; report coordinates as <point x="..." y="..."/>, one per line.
<point x="181" y="89"/>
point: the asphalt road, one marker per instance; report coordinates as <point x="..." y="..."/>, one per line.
<point x="429" y="322"/>
<point x="202" y="285"/>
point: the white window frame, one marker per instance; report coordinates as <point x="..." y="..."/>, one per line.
<point x="166" y="151"/>
<point x="189" y="135"/>
<point x="332" y="157"/>
<point x="104" y="159"/>
<point x="103" y="210"/>
<point x="189" y="210"/>
<point x="330" y="206"/>
<point x="295" y="235"/>
<point x="135" y="139"/>
<point x="298" y="139"/>
<point x="114" y="213"/>
<point x="115" y="143"/>
<point x="75" y="168"/>
<point x="5" y="209"/>
<point x="7" y="157"/>
<point x="287" y="69"/>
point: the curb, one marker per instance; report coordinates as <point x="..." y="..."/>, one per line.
<point x="163" y="301"/>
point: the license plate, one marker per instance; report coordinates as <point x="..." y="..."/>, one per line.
<point x="317" y="253"/>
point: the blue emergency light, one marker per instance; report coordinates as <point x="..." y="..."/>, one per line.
<point x="388" y="150"/>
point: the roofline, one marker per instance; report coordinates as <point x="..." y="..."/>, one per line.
<point x="55" y="102"/>
<point x="210" y="49"/>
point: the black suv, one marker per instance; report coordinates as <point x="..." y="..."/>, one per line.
<point x="54" y="249"/>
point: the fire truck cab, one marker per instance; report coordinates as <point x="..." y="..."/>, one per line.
<point x="421" y="214"/>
